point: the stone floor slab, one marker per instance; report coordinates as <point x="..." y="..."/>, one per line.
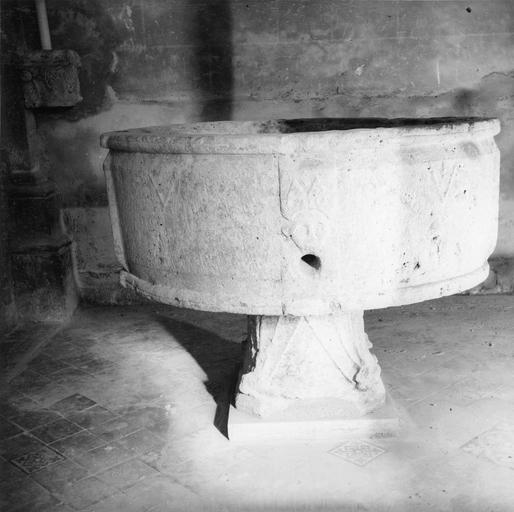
<point x="126" y="474"/>
<point x="170" y="366"/>
<point x="102" y="458"/>
<point x="30" y="420"/>
<point x="86" y="492"/>
<point x="20" y="494"/>
<point x="73" y="403"/>
<point x="8" y="429"/>
<point x="34" y="461"/>
<point x="78" y="443"/>
<point x="57" y="430"/>
<point x="92" y="417"/>
<point x="59" y="477"/>
<point x="19" y="445"/>
<point x="46" y="365"/>
<point x="357" y="452"/>
<point x="141" y="441"/>
<point x="495" y="445"/>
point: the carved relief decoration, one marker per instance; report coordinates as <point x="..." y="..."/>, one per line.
<point x="293" y="350"/>
<point x="303" y="201"/>
<point x="50" y="78"/>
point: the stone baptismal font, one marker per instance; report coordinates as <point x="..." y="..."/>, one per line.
<point x="302" y="225"/>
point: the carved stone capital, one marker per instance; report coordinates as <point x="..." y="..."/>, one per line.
<point x="292" y="360"/>
<point x="50" y="78"/>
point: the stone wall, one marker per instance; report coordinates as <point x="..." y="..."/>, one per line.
<point x="167" y="61"/>
<point x="8" y="313"/>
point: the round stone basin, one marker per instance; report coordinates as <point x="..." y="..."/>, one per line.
<point x="307" y="218"/>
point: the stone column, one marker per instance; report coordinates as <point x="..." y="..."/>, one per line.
<point x="314" y="363"/>
<point x="41" y="255"/>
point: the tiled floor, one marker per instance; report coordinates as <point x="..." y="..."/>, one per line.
<point x="116" y="412"/>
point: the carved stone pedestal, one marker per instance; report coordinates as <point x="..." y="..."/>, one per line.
<point x="294" y="363"/>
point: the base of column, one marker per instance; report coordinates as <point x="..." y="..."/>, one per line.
<point x="44" y="284"/>
<point x="304" y="367"/>
<point x="311" y="422"/>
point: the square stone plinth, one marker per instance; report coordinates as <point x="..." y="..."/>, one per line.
<point x="325" y="420"/>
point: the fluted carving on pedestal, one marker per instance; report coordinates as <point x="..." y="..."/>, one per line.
<point x="289" y="359"/>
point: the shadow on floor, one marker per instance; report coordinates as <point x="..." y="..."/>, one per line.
<point x="218" y="357"/>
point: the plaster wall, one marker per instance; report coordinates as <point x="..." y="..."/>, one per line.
<point x="160" y="61"/>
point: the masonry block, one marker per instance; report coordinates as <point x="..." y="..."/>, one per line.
<point x="44" y="284"/>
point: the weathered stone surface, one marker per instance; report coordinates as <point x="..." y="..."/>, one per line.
<point x="292" y="359"/>
<point x="271" y="59"/>
<point x="302" y="224"/>
<point x="304" y="217"/>
<point x="317" y="420"/>
<point x="44" y="285"/>
<point x="50" y="78"/>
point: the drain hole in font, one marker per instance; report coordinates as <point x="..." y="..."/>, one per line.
<point x="312" y="260"/>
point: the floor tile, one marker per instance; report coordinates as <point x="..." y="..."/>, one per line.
<point x="153" y="458"/>
<point x="8" y="429"/>
<point x="471" y="388"/>
<point x="12" y="349"/>
<point x="49" y="394"/>
<point x="160" y="429"/>
<point x="117" y="502"/>
<point x="495" y="445"/>
<point x="34" y="461"/>
<point x="90" y="364"/>
<point x="59" y="476"/>
<point x="126" y="474"/>
<point x="62" y="507"/>
<point x="70" y="376"/>
<point x="9" y="472"/>
<point x="151" y="417"/>
<point x="56" y="430"/>
<point x="35" y="418"/>
<point x="87" y="491"/>
<point x="66" y="344"/>
<point x="58" y="349"/>
<point x="118" y="427"/>
<point x="78" y="443"/>
<point x="17" y="402"/>
<point x="451" y="352"/>
<point x="164" y="493"/>
<point x="357" y="452"/>
<point x="141" y="441"/>
<point x="29" y="381"/>
<point x="8" y="409"/>
<point x="91" y="417"/>
<point x="46" y="365"/>
<point x="18" y="493"/>
<point x="43" y="503"/>
<point x="73" y="403"/>
<point x="103" y="457"/>
<point x="19" y="445"/>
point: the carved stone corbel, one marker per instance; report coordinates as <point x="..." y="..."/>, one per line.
<point x="50" y="78"/>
